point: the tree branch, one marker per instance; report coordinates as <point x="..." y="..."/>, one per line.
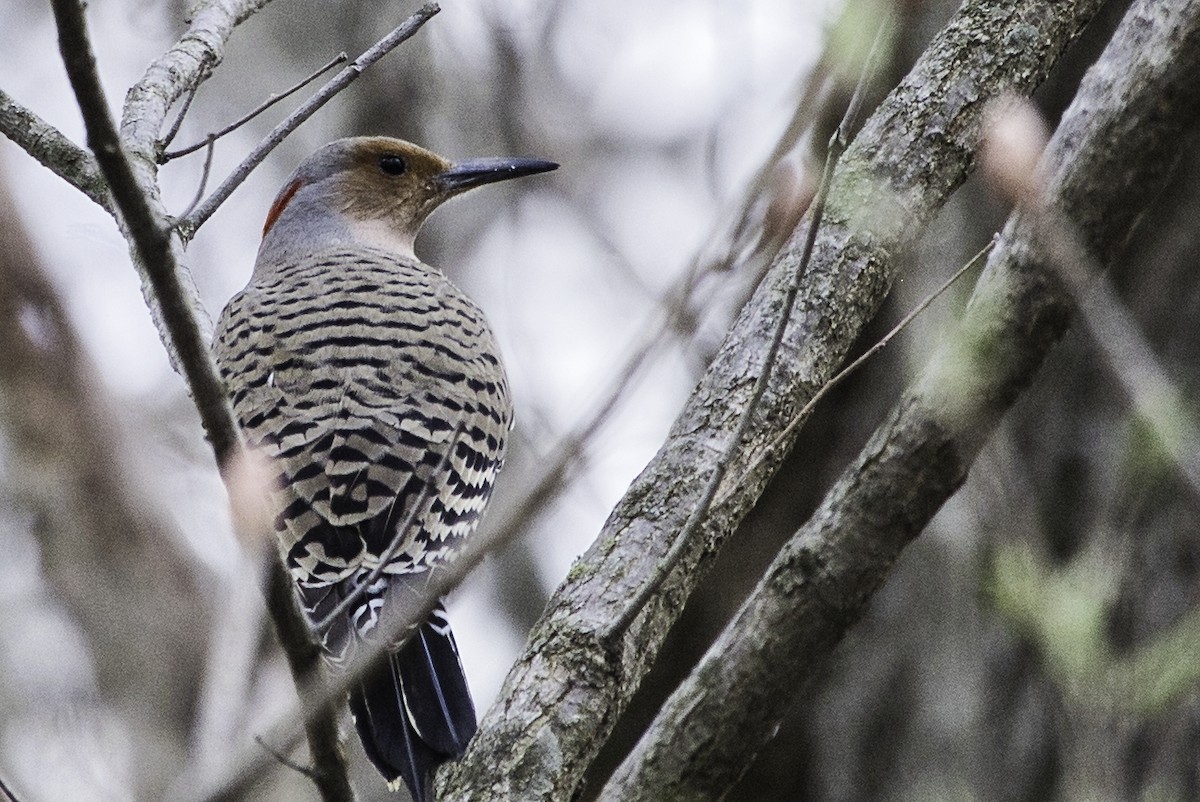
<point x="187" y="227"/>
<point x="274" y="98"/>
<point x="57" y="153"/>
<point x="1111" y="155"/>
<point x="562" y="698"/>
<point x="152" y="246"/>
<point x="837" y="146"/>
<point x="149" y="237"/>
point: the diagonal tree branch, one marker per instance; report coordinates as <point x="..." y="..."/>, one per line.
<point x="344" y="78"/>
<point x="562" y="698"/>
<point x="48" y="145"/>
<point x="275" y="97"/>
<point x="1111" y="155"/>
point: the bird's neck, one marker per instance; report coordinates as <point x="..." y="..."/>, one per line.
<point x="309" y="225"/>
<point x="292" y="239"/>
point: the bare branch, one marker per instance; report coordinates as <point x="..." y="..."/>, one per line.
<point x="865" y="357"/>
<point x="283" y="759"/>
<point x="328" y="770"/>
<point x="563" y="696"/>
<point x="187" y="227"/>
<point x="204" y="174"/>
<point x="149" y="237"/>
<point x="837" y="146"/>
<point x="1111" y="155"/>
<point x="48" y="145"/>
<point x="173" y="131"/>
<point x="182" y="68"/>
<point x="233" y="126"/>
<point x="151" y="244"/>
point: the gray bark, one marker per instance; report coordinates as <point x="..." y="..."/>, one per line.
<point x="561" y="699"/>
<point x="1111" y="155"/>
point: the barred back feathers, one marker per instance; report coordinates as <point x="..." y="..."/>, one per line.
<point x="356" y="368"/>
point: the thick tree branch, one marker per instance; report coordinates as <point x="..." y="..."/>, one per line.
<point x="561" y="699"/>
<point x="1111" y="155"/>
<point x="60" y="155"/>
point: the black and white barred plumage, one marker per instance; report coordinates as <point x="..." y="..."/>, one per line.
<point x="376" y="388"/>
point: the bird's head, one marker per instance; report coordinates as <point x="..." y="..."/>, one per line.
<point x="375" y="191"/>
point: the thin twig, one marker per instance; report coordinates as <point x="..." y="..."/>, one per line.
<point x="401" y="532"/>
<point x="187" y="227"/>
<point x="845" y="372"/>
<point x="8" y="792"/>
<point x="340" y="58"/>
<point x="208" y="160"/>
<point x="175" y="126"/>
<point x="837" y="145"/>
<point x="284" y="760"/>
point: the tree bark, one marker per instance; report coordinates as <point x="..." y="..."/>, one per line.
<point x="561" y="699"/>
<point x="1112" y="154"/>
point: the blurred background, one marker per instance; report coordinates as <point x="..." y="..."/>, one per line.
<point x="1038" y="642"/>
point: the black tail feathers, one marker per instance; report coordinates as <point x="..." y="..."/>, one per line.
<point x="413" y="712"/>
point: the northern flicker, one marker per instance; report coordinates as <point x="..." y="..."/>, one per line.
<point x="377" y="388"/>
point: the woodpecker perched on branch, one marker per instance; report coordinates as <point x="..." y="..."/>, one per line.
<point x="377" y="388"/>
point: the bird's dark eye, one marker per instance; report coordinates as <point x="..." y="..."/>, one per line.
<point x="393" y="164"/>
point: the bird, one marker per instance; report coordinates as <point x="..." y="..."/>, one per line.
<point x="375" y="389"/>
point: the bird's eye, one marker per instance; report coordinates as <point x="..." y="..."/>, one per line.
<point x="393" y="164"/>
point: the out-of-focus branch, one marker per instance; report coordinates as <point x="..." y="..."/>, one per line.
<point x="44" y="142"/>
<point x="562" y="698"/>
<point x="187" y="227"/>
<point x="1157" y="399"/>
<point x="1111" y="155"/>
<point x="117" y="568"/>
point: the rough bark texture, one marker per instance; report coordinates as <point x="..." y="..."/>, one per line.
<point x="561" y="699"/>
<point x="1111" y="155"/>
<point x="45" y="143"/>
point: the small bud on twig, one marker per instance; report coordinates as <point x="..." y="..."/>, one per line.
<point x="250" y="480"/>
<point x="1014" y="136"/>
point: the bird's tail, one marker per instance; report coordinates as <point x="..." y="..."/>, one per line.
<point x="413" y="712"/>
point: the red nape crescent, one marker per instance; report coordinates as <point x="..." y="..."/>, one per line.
<point x="281" y="203"/>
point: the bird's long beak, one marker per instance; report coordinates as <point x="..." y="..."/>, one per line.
<point x="477" y="172"/>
